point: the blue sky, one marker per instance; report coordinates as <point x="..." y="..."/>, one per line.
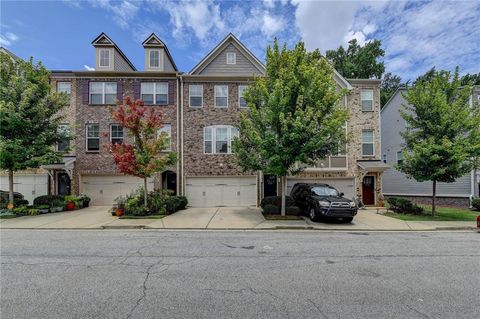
<point x="415" y="34"/>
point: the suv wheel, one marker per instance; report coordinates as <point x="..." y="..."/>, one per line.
<point x="347" y="219"/>
<point x="312" y="214"/>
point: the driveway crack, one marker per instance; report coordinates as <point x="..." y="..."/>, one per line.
<point x="215" y="214"/>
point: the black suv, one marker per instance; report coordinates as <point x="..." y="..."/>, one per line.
<point x="323" y="200"/>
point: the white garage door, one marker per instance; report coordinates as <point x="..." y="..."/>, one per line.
<point x="103" y="189"/>
<point x="221" y="191"/>
<point x="30" y="186"/>
<point x="346" y="186"/>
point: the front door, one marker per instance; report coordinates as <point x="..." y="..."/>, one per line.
<point x="63" y="184"/>
<point x="269" y="185"/>
<point x="171" y="182"/>
<point x="368" y="190"/>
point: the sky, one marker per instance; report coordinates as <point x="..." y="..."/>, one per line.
<point x="416" y="35"/>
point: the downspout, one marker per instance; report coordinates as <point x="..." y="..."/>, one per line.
<point x="182" y="177"/>
<point x="472" y="186"/>
<point x="178" y="136"/>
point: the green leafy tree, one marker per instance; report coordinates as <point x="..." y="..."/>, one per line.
<point x="358" y="62"/>
<point x="294" y="116"/>
<point x="29" y="119"/>
<point x="390" y="83"/>
<point x="471" y="79"/>
<point x="442" y="142"/>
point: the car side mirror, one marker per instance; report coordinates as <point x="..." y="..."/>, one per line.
<point x="341" y="194"/>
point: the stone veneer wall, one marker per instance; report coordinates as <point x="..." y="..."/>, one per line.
<point x="462" y="202"/>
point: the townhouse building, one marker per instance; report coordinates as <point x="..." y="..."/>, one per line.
<point x="395" y="183"/>
<point x="201" y="112"/>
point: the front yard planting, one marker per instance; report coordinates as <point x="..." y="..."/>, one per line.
<point x="271" y="208"/>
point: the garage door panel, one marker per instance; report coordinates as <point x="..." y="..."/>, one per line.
<point x="30" y="186"/>
<point x="346" y="186"/>
<point x="221" y="191"/>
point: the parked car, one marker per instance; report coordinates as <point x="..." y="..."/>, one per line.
<point x="323" y="200"/>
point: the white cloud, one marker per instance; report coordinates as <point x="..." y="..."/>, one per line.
<point x="272" y="24"/>
<point x="123" y="11"/>
<point x="8" y="38"/>
<point x="269" y="3"/>
<point x="88" y="68"/>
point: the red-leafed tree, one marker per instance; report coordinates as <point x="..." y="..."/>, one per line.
<point x="146" y="156"/>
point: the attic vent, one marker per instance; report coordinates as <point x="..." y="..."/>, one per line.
<point x="231" y="58"/>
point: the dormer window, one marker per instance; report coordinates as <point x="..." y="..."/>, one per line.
<point x="231" y="58"/>
<point x="104" y="57"/>
<point x="155" y="58"/>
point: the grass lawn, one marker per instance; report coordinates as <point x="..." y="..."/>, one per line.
<point x="143" y="217"/>
<point x="442" y="214"/>
<point x="280" y="217"/>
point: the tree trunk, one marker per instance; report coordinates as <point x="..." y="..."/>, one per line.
<point x="145" y="192"/>
<point x="10" y="188"/>
<point x="284" y="191"/>
<point x="433" y="196"/>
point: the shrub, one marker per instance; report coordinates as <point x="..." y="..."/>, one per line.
<point x="156" y="202"/>
<point x="175" y="203"/>
<point x="134" y="206"/>
<point x="49" y="199"/>
<point x="269" y="209"/>
<point x="476" y="203"/>
<point x="7" y="213"/>
<point x="404" y="206"/>
<point x="277" y="201"/>
<point x="85" y="200"/>
<point x="21" y="211"/>
<point x="292" y="210"/>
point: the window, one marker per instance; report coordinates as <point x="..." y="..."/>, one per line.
<point x="196" y="95"/>
<point x="399" y="157"/>
<point x="154" y="58"/>
<point x="367" y="100"/>
<point x="231" y="58"/>
<point x="116" y="134"/>
<point x="93" y="137"/>
<point x="64" y="144"/>
<point x="218" y="139"/>
<point x="154" y="93"/>
<point x="221" y="96"/>
<point x="104" y="58"/>
<point x="167" y="129"/>
<point x="64" y="87"/>
<point x="103" y="92"/>
<point x="241" y="99"/>
<point x="367" y="143"/>
<point x="384" y="158"/>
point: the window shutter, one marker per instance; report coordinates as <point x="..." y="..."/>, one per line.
<point x="120" y="91"/>
<point x="84" y="89"/>
<point x="136" y="90"/>
<point x="171" y="92"/>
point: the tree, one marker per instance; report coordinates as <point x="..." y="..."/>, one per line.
<point x="29" y="119"/>
<point x="442" y="142"/>
<point x="470" y="79"/>
<point x="294" y="116"/>
<point x="358" y="62"/>
<point x="144" y="157"/>
<point x="390" y="83"/>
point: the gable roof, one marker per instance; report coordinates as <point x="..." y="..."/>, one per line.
<point x="153" y="41"/>
<point x="402" y="88"/>
<point x="230" y="38"/>
<point x="104" y="40"/>
<point x="341" y="80"/>
<point x="10" y="53"/>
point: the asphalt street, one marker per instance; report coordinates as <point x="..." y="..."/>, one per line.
<point x="239" y="274"/>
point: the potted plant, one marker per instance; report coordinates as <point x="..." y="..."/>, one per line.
<point x="43" y="209"/>
<point x="58" y="205"/>
<point x="70" y="202"/>
<point x="85" y="200"/>
<point x="119" y="208"/>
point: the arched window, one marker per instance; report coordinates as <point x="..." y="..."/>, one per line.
<point x="217" y="139"/>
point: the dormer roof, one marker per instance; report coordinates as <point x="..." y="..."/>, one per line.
<point x="153" y="41"/>
<point x="103" y="40"/>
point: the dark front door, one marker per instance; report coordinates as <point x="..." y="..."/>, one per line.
<point x="368" y="190"/>
<point x="170" y="181"/>
<point x="63" y="184"/>
<point x="269" y="185"/>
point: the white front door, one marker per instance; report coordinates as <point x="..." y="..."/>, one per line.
<point x="221" y="191"/>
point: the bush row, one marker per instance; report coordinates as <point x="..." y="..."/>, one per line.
<point x="271" y="205"/>
<point x="158" y="203"/>
<point x="476" y="203"/>
<point x="404" y="206"/>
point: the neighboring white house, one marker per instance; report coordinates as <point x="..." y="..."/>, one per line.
<point x="395" y="183"/>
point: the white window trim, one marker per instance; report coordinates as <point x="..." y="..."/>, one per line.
<point x="234" y="57"/>
<point x="154" y="92"/>
<point x="63" y="82"/>
<point x="214" y="139"/>
<point x="111" y="131"/>
<point x="361" y="100"/>
<point x="373" y="143"/>
<point x="169" y="147"/>
<point x="215" y="97"/>
<point x="160" y="59"/>
<point x="397" y="156"/>
<point x="103" y="91"/>
<point x="110" y="58"/>
<point x="190" y="95"/>
<point x="239" y="96"/>
<point x="88" y="138"/>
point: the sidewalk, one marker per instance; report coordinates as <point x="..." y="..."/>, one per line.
<point x="220" y="218"/>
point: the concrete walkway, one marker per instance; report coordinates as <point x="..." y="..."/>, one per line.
<point x="247" y="218"/>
